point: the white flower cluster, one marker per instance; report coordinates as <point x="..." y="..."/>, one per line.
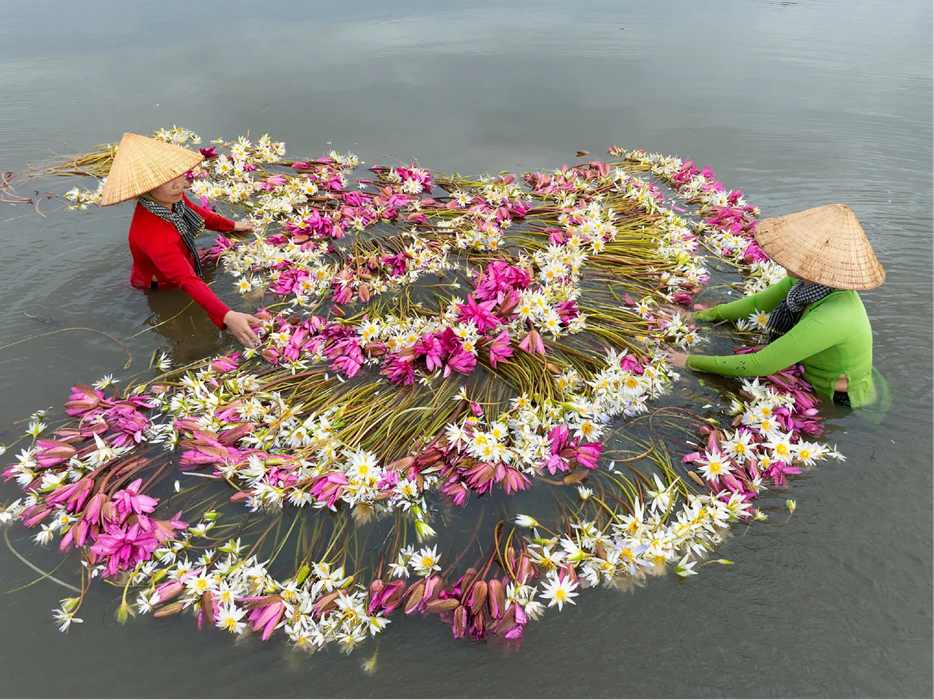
<point x="520" y="436"/>
<point x="469" y="234"/>
<point x="81" y="198"/>
<point x="177" y="136"/>
<point x="762" y="275"/>
<point x="297" y="448"/>
<point x="772" y="444"/>
<point x="758" y="275"/>
<point x="320" y="604"/>
<point x="320" y="276"/>
<point x="635" y="545"/>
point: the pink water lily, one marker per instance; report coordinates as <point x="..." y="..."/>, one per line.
<point x="431" y="349"/>
<point x="500" y="349"/>
<point x="124" y="549"/>
<point x="481" y="314"/>
<point x="462" y="362"/>
<point x="532" y="343"/>
<point x="130" y="500"/>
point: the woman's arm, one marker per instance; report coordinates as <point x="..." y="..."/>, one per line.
<point x="766" y="300"/>
<point x="172" y="263"/>
<point x="212" y="221"/>
<point x="820" y="330"/>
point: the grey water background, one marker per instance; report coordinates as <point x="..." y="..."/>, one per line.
<point x="796" y="103"/>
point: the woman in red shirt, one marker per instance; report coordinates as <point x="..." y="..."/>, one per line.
<point x="165" y="224"/>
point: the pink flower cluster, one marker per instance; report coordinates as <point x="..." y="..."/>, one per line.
<point x="564" y="179"/>
<point x="100" y="414"/>
<point x="461" y="474"/>
<point x="129" y="535"/>
<point x="354" y="280"/>
<point x="474" y="607"/>
<point x="735" y="218"/>
<point x="490" y="307"/>
<point x="336" y="341"/>
<point x="118" y="527"/>
<point x="323" y="171"/>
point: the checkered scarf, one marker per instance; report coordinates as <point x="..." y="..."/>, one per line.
<point x="788" y="312"/>
<point x="187" y="222"/>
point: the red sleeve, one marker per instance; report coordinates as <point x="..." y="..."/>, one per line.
<point x="172" y="263"/>
<point x="212" y="221"/>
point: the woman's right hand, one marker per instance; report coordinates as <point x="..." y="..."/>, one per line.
<point x="242" y="325"/>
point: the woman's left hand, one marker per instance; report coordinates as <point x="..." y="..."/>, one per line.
<point x="243" y="227"/>
<point x="677" y="359"/>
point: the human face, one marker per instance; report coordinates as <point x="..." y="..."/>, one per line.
<point x="171" y="192"/>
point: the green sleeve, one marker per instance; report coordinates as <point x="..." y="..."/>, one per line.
<point x="766" y="300"/>
<point x="818" y="331"/>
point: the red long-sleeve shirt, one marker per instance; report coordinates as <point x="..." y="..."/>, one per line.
<point x="160" y="255"/>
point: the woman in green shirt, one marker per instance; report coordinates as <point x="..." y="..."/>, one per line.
<point x="816" y="317"/>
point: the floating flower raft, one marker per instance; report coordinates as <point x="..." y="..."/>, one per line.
<point x="438" y="354"/>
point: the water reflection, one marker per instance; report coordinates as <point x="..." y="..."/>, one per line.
<point x="190" y="334"/>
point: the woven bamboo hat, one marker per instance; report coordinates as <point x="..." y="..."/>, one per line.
<point x="824" y="245"/>
<point x="142" y="164"/>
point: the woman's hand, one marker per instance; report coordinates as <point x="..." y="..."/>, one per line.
<point x="243" y="227"/>
<point x="677" y="359"/>
<point x="242" y="325"/>
<point x="671" y="309"/>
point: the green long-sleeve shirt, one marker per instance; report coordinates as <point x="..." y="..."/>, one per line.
<point x="833" y="338"/>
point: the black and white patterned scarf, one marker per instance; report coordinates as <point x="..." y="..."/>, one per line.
<point x="788" y="312"/>
<point x="187" y="222"/>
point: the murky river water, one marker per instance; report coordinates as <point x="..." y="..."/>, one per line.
<point x="798" y="104"/>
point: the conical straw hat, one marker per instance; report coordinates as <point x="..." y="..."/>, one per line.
<point x="824" y="245"/>
<point x="142" y="164"/>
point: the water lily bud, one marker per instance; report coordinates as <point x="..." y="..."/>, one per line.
<point x="442" y="605"/>
<point x="478" y="625"/>
<point x="477" y="597"/>
<point x="496" y="599"/>
<point x="401" y="464"/>
<point x="169" y="590"/>
<point x="466" y="581"/>
<point x="414" y="597"/>
<point x="524" y="569"/>
<point x="167" y="610"/>
<point x="432" y="588"/>
<point x="376" y="587"/>
<point x="511" y="558"/>
<point x="526" y="521"/>
<point x="460" y="622"/>
<point x="429" y="457"/>
<point x="207" y="605"/>
<point x="326" y="603"/>
<point x="392" y="595"/>
<point x="122" y="612"/>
